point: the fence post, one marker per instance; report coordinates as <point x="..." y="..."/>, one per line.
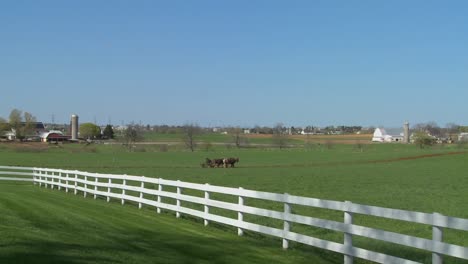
<point x="46" y="179"/>
<point x="34" y="177"/>
<point x="287" y="224"/>
<point x="40" y="178"/>
<point x="85" y="185"/>
<point x="95" y="187"/>
<point x="60" y="181"/>
<point x="66" y="182"/>
<point x="179" y="191"/>
<point x="76" y="183"/>
<point x="160" y="189"/>
<point x="123" y="189"/>
<point x="437" y="236"/>
<point x="207" y="209"/>
<point x="348" y="238"/>
<point x="52" y="180"/>
<point x="240" y="215"/>
<point x="109" y="189"/>
<point x="141" y="192"/>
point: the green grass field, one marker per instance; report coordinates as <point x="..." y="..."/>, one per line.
<point x="46" y="226"/>
<point x="387" y="175"/>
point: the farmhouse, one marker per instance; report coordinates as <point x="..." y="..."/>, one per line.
<point x="390" y="135"/>
<point x="36" y="129"/>
<point x="463" y="137"/>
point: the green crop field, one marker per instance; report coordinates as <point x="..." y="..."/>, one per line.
<point x="386" y="175"/>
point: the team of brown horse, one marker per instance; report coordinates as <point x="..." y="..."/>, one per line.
<point x="217" y="163"/>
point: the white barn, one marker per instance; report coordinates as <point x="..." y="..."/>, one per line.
<point x="393" y="135"/>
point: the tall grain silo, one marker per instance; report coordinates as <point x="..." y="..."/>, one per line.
<point x="74" y="127"/>
<point x="406" y="137"/>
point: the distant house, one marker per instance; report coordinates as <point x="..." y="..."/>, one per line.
<point x="120" y="128"/>
<point x="36" y="127"/>
<point x="10" y="135"/>
<point x="390" y="135"/>
<point x="463" y="137"/>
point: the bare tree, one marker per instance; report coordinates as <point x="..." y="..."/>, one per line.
<point x="359" y="145"/>
<point x="434" y="129"/>
<point x="22" y="129"/>
<point x="4" y="125"/>
<point x="131" y="135"/>
<point x="328" y="144"/>
<point x="190" y="132"/>
<point x="207" y="146"/>
<point x="308" y="142"/>
<point x="237" y="137"/>
<point x="29" y="125"/>
<point x="452" y="128"/>
<point x="430" y="127"/>
<point x="280" y="138"/>
<point x="15" y="120"/>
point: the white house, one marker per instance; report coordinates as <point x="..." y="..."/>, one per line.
<point x="36" y="129"/>
<point x="463" y="137"/>
<point x="10" y="135"/>
<point x="393" y="135"/>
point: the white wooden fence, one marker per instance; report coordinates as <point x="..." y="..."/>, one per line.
<point x="10" y="171"/>
<point x="88" y="184"/>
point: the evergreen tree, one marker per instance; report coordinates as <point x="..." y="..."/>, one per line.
<point x="108" y="132"/>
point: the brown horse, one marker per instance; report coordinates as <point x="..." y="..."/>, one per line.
<point x="230" y="162"/>
<point x="218" y="162"/>
<point x="208" y="163"/>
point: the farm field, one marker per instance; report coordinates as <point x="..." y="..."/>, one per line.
<point x="386" y="175"/>
<point x="217" y="138"/>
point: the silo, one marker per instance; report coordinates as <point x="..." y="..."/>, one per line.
<point x="406" y="137"/>
<point x="74" y="127"/>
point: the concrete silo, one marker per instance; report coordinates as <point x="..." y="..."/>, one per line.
<point x="406" y="135"/>
<point x="74" y="127"/>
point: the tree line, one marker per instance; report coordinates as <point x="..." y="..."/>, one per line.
<point x="19" y="122"/>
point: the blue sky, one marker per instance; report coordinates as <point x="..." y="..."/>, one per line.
<point x="219" y="63"/>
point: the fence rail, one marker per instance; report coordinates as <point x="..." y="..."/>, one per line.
<point x="10" y="171"/>
<point x="89" y="184"/>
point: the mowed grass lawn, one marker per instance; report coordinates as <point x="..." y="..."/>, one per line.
<point x="386" y="175"/>
<point x="40" y="225"/>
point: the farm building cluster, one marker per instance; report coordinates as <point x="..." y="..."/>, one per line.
<point x="403" y="135"/>
<point x="39" y="132"/>
<point x="392" y="135"/>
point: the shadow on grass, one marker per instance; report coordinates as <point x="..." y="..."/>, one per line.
<point x="148" y="247"/>
<point x="46" y="226"/>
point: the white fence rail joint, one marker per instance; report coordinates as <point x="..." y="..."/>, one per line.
<point x="108" y="186"/>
